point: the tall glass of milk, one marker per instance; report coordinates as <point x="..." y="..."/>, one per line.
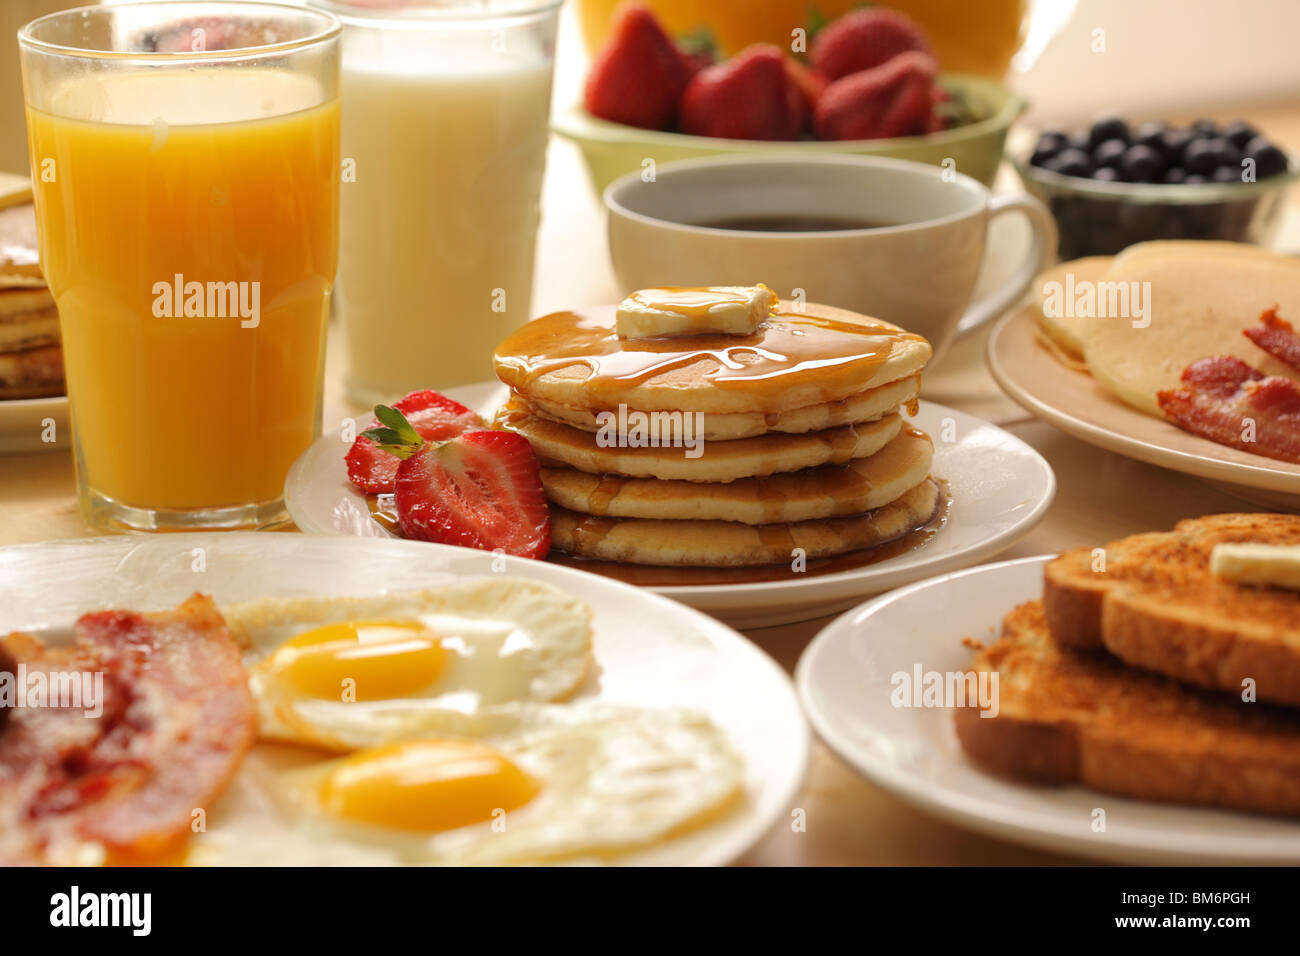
<point x="444" y="128"/>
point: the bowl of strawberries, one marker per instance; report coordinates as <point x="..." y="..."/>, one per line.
<point x="865" y="83"/>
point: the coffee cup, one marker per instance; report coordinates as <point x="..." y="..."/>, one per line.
<point x="895" y="240"/>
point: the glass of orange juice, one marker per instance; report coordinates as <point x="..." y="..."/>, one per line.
<point x="185" y="165"/>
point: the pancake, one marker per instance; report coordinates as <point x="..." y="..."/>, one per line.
<point x="796" y="359"/>
<point x="1064" y="329"/>
<point x="28" y="330"/>
<point x="824" y="492"/>
<point x="1202" y="296"/>
<point x="32" y="373"/>
<point x="718" y="461"/>
<point x="15" y="301"/>
<point x="732" y="544"/>
<point x="19" y="258"/>
<point x="869" y="406"/>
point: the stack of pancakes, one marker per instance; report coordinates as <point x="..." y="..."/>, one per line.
<point x="802" y="451"/>
<point x="31" y="357"/>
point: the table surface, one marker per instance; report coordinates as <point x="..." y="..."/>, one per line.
<point x="847" y="820"/>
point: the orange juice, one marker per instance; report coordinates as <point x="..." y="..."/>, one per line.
<point x="191" y="251"/>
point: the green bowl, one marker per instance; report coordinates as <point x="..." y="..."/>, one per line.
<point x="612" y="149"/>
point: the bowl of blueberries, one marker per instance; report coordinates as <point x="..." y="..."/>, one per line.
<point x="1113" y="184"/>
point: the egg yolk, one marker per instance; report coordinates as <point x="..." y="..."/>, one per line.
<point x="426" y="785"/>
<point x="361" y="660"/>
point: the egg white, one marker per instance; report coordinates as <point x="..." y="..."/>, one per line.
<point x="613" y="780"/>
<point x="506" y="640"/>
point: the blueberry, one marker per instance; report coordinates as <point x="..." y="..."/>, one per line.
<point x="1173" y="143"/>
<point x="1175" y="175"/>
<point x="1151" y="133"/>
<point x="1226" y="174"/>
<point x="1106" y="174"/>
<point x="1239" y="133"/>
<point x="1202" y="156"/>
<point x="1108" y="127"/>
<point x="1195" y="179"/>
<point x="1109" y="153"/>
<point x="1049" y="144"/>
<point x="1080" y="141"/>
<point x="1142" y="164"/>
<point x="1269" y="160"/>
<point x="1070" y="162"/>
<point x="1205" y="128"/>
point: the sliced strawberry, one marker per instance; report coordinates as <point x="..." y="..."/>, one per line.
<point x="434" y="417"/>
<point x="482" y="489"/>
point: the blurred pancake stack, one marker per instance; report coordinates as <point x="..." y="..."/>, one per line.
<point x="31" y="356"/>
<point x="712" y="449"/>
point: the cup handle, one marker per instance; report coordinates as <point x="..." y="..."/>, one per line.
<point x="1042" y="252"/>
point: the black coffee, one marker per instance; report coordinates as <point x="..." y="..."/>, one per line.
<point x="795" y="223"/>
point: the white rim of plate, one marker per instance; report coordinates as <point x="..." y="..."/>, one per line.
<point x="771" y="593"/>
<point x="1022" y="825"/>
<point x="454" y="561"/>
<point x="1190" y="463"/>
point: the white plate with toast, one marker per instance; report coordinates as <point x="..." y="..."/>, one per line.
<point x="1072" y="401"/>
<point x="648" y="652"/>
<point x="847" y="676"/>
<point x="999" y="487"/>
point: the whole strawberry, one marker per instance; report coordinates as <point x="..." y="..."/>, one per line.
<point x="751" y="96"/>
<point x="891" y="100"/>
<point x="639" y="77"/>
<point x="865" y="39"/>
<point x="811" y="83"/>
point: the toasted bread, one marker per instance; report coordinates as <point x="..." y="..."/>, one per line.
<point x="1155" y="604"/>
<point x="1081" y="717"/>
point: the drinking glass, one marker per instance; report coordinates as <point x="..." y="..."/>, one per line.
<point x="185" y="166"/>
<point x="445" y="112"/>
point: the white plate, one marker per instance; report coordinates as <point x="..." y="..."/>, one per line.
<point x="1074" y="403"/>
<point x="1000" y="489"/>
<point x="24" y="421"/>
<point x="649" y="651"/>
<point x="844" y="683"/>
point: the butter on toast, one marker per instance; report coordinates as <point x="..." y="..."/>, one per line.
<point x="1081" y="717"/>
<point x="1157" y="605"/>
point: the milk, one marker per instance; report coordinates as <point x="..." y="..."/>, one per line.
<point x="443" y="154"/>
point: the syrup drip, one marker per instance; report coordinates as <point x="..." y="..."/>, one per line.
<point x="790" y="350"/>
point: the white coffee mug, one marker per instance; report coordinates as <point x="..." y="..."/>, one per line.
<point x="899" y="241"/>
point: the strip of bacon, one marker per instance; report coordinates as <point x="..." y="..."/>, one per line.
<point x="1225" y="400"/>
<point x="1276" y="337"/>
<point x="177" y="719"/>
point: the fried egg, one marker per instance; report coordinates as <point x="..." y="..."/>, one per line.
<point x="581" y="782"/>
<point x="343" y="673"/>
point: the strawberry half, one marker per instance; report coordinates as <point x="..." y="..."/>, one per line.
<point x="480" y="489"/>
<point x="434" y="417"/>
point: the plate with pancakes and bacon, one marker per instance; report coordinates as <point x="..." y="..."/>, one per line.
<point x="290" y="699"/>
<point x="1182" y="354"/>
<point x="761" y="460"/>
<point x="32" y="392"/>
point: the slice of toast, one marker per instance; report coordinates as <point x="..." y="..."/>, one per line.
<point x="1081" y="717"/>
<point x="1151" y="600"/>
